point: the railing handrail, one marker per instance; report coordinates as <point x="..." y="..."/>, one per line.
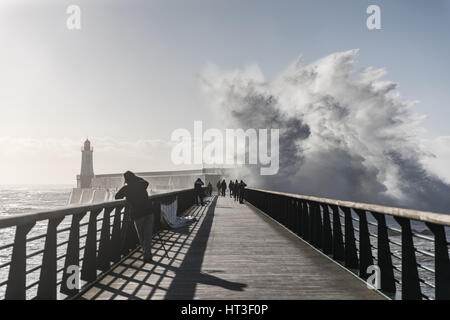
<point x="424" y="216"/>
<point x="25" y="218"/>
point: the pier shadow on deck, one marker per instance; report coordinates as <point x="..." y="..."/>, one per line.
<point x="175" y="277"/>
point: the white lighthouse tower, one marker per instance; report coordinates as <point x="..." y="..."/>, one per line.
<point x="87" y="166"/>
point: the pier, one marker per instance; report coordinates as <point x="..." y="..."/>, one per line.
<point x="274" y="246"/>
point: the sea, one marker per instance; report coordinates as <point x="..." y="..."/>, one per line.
<point x="19" y="199"/>
<point x="16" y="199"/>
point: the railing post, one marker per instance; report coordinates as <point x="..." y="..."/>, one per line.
<point x="72" y="254"/>
<point x="312" y="222"/>
<point x="441" y="263"/>
<point x="318" y="224"/>
<point x="365" y="250"/>
<point x="305" y="216"/>
<point x="289" y="211"/>
<point x="300" y="218"/>
<point x="129" y="234"/>
<point x="16" y="287"/>
<point x="338" y="244"/>
<point x="296" y="214"/>
<point x="351" y="255"/>
<point x="327" y="237"/>
<point x="104" y="250"/>
<point x="384" y="255"/>
<point x="47" y="289"/>
<point x="410" y="275"/>
<point x="116" y="237"/>
<point x="89" y="267"/>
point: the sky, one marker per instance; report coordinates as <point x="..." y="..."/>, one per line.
<point x="130" y="76"/>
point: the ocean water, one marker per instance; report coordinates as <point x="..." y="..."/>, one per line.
<point x="16" y="199"/>
<point x="19" y="199"/>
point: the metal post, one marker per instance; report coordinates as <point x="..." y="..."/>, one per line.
<point x="47" y="280"/>
<point x="384" y="255"/>
<point x="312" y="222"/>
<point x="338" y="244"/>
<point x="104" y="251"/>
<point x="365" y="250"/>
<point x="116" y="235"/>
<point x="73" y="254"/>
<point x="319" y="226"/>
<point x="442" y="262"/>
<point x="410" y="274"/>
<point x="327" y="237"/>
<point x="351" y="255"/>
<point x="89" y="267"/>
<point x="305" y="216"/>
<point x="16" y="287"/>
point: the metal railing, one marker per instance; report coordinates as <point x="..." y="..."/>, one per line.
<point x="412" y="264"/>
<point x="95" y="236"/>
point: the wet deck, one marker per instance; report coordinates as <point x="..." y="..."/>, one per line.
<point x="231" y="252"/>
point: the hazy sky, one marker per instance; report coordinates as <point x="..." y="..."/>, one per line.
<point x="129" y="77"/>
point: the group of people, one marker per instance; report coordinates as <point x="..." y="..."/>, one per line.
<point x="236" y="189"/>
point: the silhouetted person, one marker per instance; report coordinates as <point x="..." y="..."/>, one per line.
<point x="198" y="191"/>
<point x="236" y="190"/>
<point x="224" y="187"/>
<point x="219" y="187"/>
<point x="135" y="192"/>
<point x="242" y="186"/>
<point x="231" y="188"/>
<point x="209" y="186"/>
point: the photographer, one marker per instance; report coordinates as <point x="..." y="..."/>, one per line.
<point x="135" y="192"/>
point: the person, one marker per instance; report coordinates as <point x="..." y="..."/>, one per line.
<point x="242" y="186"/>
<point x="224" y="187"/>
<point x="219" y="186"/>
<point x="236" y="190"/>
<point x="209" y="186"/>
<point x="198" y="191"/>
<point x="135" y="193"/>
<point x="230" y="187"/>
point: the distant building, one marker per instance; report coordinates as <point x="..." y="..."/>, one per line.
<point x="87" y="166"/>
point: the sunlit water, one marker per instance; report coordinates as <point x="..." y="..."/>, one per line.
<point x="20" y="199"/>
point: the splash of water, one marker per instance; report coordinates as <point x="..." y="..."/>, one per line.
<point x="344" y="132"/>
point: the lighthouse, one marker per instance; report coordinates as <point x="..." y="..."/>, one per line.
<point x="87" y="166"/>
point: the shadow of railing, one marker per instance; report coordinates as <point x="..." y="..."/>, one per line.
<point x="175" y="277"/>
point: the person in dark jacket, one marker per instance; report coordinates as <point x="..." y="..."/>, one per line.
<point x="219" y="187"/>
<point x="224" y="187"/>
<point x="209" y="186"/>
<point x="135" y="192"/>
<point x="231" y="188"/>
<point x="236" y="190"/>
<point x="198" y="192"/>
<point x="242" y="186"/>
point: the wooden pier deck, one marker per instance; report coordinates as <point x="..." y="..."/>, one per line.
<point x="232" y="251"/>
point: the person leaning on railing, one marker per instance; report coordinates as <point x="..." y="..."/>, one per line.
<point x="135" y="192"/>
<point x="198" y="191"/>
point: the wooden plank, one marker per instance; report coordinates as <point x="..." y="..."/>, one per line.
<point x="231" y="252"/>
